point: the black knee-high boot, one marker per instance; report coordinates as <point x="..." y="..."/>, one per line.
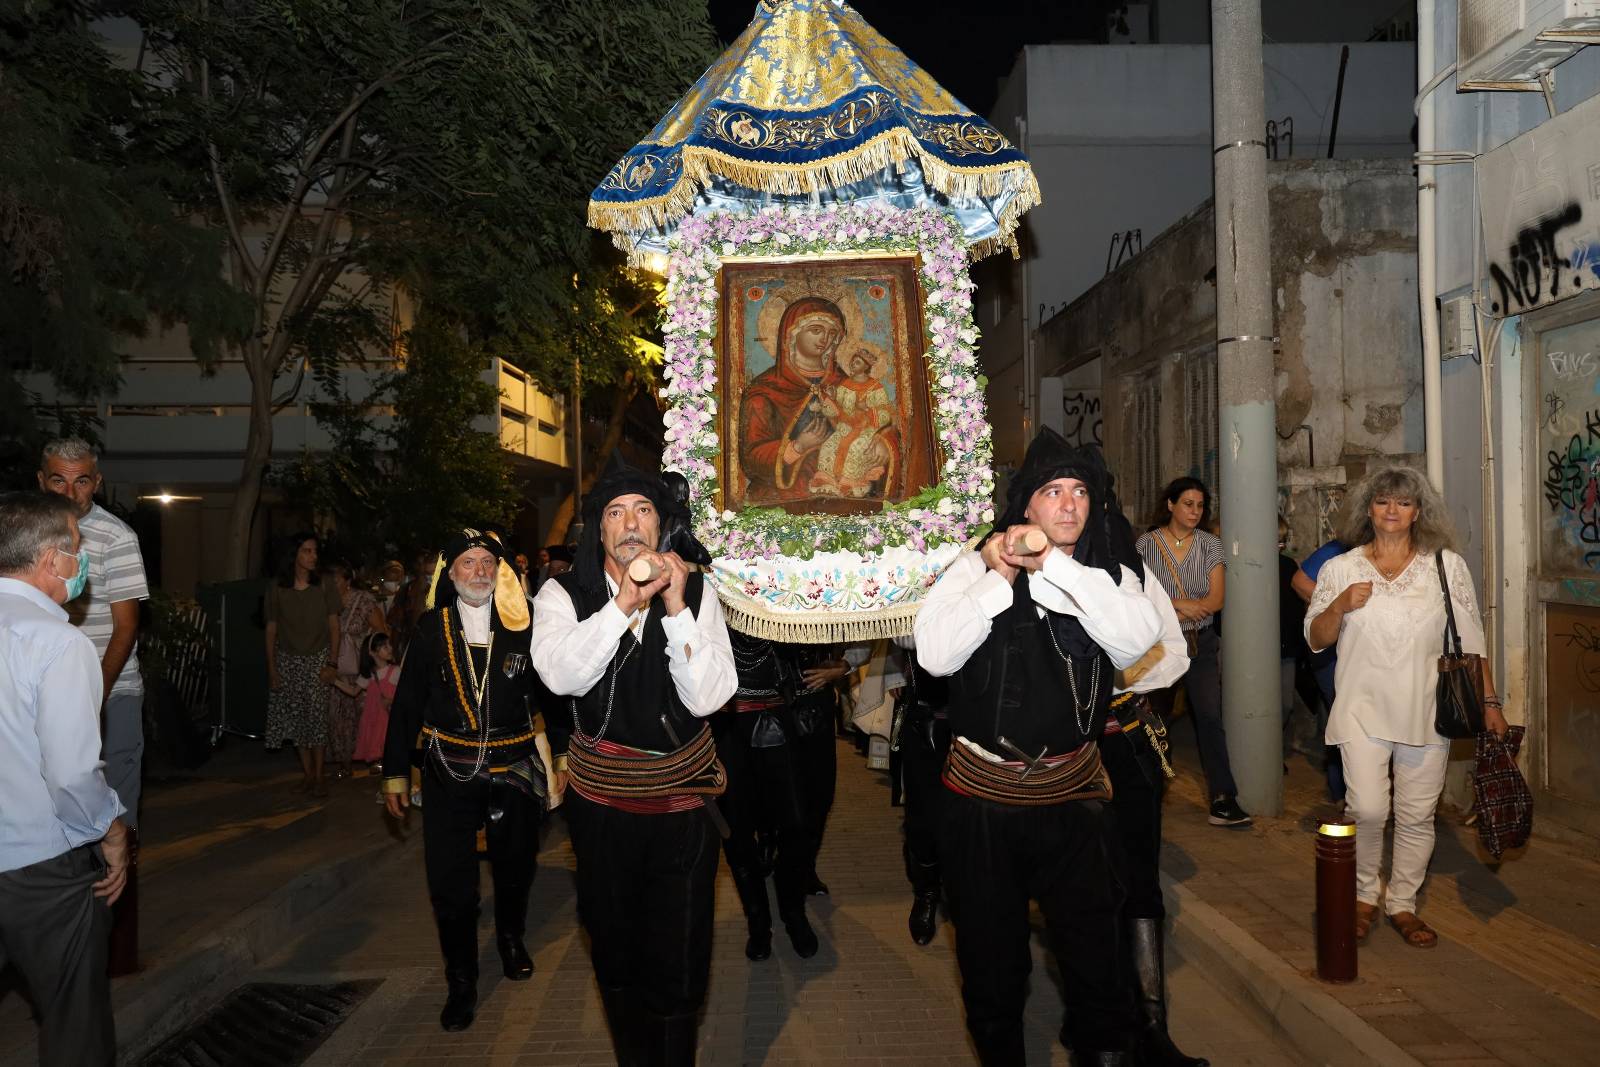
<point x="757" y="912"/>
<point x="925" y="885"/>
<point x="624" y="1016"/>
<point x="458" y="938"/>
<point x="668" y="1040"/>
<point x="1155" y="1044"/>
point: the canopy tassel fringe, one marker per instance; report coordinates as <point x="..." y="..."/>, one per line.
<point x="889" y="149"/>
<point x="750" y="619"/>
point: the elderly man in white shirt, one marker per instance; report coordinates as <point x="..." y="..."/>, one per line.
<point x="63" y="846"/>
<point x="644" y="658"/>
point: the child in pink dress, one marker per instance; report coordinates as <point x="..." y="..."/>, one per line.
<point x="378" y="677"/>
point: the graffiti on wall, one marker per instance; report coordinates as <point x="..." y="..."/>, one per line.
<point x="1582" y="643"/>
<point x="1081" y="420"/>
<point x="1534" y="270"/>
<point x="1572" y="487"/>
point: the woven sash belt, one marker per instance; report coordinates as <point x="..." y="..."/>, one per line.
<point x="1078" y="777"/>
<point x="609" y="770"/>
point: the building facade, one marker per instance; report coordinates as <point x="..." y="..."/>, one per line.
<point x="1512" y="250"/>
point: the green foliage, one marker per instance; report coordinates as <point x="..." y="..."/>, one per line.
<point x="456" y="140"/>
<point x="91" y="250"/>
<point x="409" y="482"/>
<point x="446" y="473"/>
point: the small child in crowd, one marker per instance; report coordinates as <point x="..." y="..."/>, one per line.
<point x="377" y="681"/>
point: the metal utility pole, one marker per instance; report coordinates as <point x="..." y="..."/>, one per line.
<point x="1247" y="436"/>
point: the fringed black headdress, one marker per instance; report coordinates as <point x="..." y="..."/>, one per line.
<point x="620" y="478"/>
<point x="1107" y="539"/>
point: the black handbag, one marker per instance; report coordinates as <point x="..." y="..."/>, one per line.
<point x="1458" y="707"/>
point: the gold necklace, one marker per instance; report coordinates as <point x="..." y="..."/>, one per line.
<point x="1390" y="576"/>
<point x="1176" y="540"/>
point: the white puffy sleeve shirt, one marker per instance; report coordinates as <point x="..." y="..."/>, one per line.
<point x="1387" y="674"/>
<point x="955" y="619"/>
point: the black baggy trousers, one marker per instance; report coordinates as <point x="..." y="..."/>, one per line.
<point x="452" y="812"/>
<point x="996" y="857"/>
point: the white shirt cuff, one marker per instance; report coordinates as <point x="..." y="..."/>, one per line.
<point x="992" y="592"/>
<point x="1061" y="570"/>
<point x="681" y="629"/>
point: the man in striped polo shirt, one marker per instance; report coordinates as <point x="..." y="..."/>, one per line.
<point x="108" y="614"/>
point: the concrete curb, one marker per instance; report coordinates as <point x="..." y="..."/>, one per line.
<point x="158" y="1003"/>
<point x="1298" y="1012"/>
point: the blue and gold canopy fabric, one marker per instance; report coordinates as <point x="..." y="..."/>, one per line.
<point x="813" y="106"/>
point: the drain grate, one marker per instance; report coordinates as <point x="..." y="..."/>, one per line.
<point x="264" y="1025"/>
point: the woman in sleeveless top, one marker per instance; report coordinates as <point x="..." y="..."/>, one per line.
<point x="1187" y="561"/>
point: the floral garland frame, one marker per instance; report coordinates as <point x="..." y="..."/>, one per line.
<point x="953" y="511"/>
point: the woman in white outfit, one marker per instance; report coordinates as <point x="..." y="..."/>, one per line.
<point x="1382" y="603"/>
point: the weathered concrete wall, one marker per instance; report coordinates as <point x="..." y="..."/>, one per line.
<point x="1349" y="373"/>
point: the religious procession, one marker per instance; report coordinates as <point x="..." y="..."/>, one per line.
<point x="851" y="635"/>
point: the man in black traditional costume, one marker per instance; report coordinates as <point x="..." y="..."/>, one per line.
<point x="1031" y="642"/>
<point x="464" y="695"/>
<point x="923" y="740"/>
<point x="642" y="662"/>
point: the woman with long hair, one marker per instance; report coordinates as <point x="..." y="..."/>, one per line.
<point x="302" y="633"/>
<point x="1383" y="604"/>
<point x="1187" y="561"/>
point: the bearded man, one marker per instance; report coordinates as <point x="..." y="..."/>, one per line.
<point x="643" y="661"/>
<point x="1025" y="814"/>
<point x="465" y="690"/>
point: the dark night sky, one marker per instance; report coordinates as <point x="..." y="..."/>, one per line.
<point x="967" y="45"/>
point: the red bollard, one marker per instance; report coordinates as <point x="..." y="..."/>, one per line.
<point x="1336" y="902"/>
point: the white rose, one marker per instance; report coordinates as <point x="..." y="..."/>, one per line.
<point x="709" y="440"/>
<point x="988" y="514"/>
<point x="782" y="239"/>
<point x="947" y="506"/>
<point x="947" y="380"/>
<point x="728" y="248"/>
<point x="968" y="335"/>
<point x="728" y="516"/>
<point x="915" y="514"/>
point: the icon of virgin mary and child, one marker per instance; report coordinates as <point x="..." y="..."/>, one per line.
<point x="820" y="423"/>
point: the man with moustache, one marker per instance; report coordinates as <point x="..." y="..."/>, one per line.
<point x="465" y="690"/>
<point x="1031" y="642"/>
<point x="642" y="663"/>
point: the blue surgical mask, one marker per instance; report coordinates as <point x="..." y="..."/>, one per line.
<point x="75" y="585"/>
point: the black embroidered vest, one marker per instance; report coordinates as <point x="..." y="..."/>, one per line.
<point x="1016" y="684"/>
<point x="643" y="687"/>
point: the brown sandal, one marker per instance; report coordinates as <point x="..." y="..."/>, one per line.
<point x="1366" y="915"/>
<point x="1417" y="933"/>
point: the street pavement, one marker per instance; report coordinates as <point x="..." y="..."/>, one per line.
<point x="327" y="890"/>
<point x="870" y="995"/>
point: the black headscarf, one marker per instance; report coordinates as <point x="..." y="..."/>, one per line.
<point x="1107" y="538"/>
<point x="620" y="478"/>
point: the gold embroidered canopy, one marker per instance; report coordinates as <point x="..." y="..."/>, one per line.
<point x="812" y="106"/>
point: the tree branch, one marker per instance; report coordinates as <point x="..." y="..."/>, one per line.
<point x="358" y="100"/>
<point x="229" y="215"/>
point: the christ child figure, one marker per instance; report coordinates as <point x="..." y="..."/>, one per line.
<point x="855" y="455"/>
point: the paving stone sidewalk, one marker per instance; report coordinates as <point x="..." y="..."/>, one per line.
<point x="1515" y="978"/>
<point x="869" y="996"/>
<point x="217" y="842"/>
